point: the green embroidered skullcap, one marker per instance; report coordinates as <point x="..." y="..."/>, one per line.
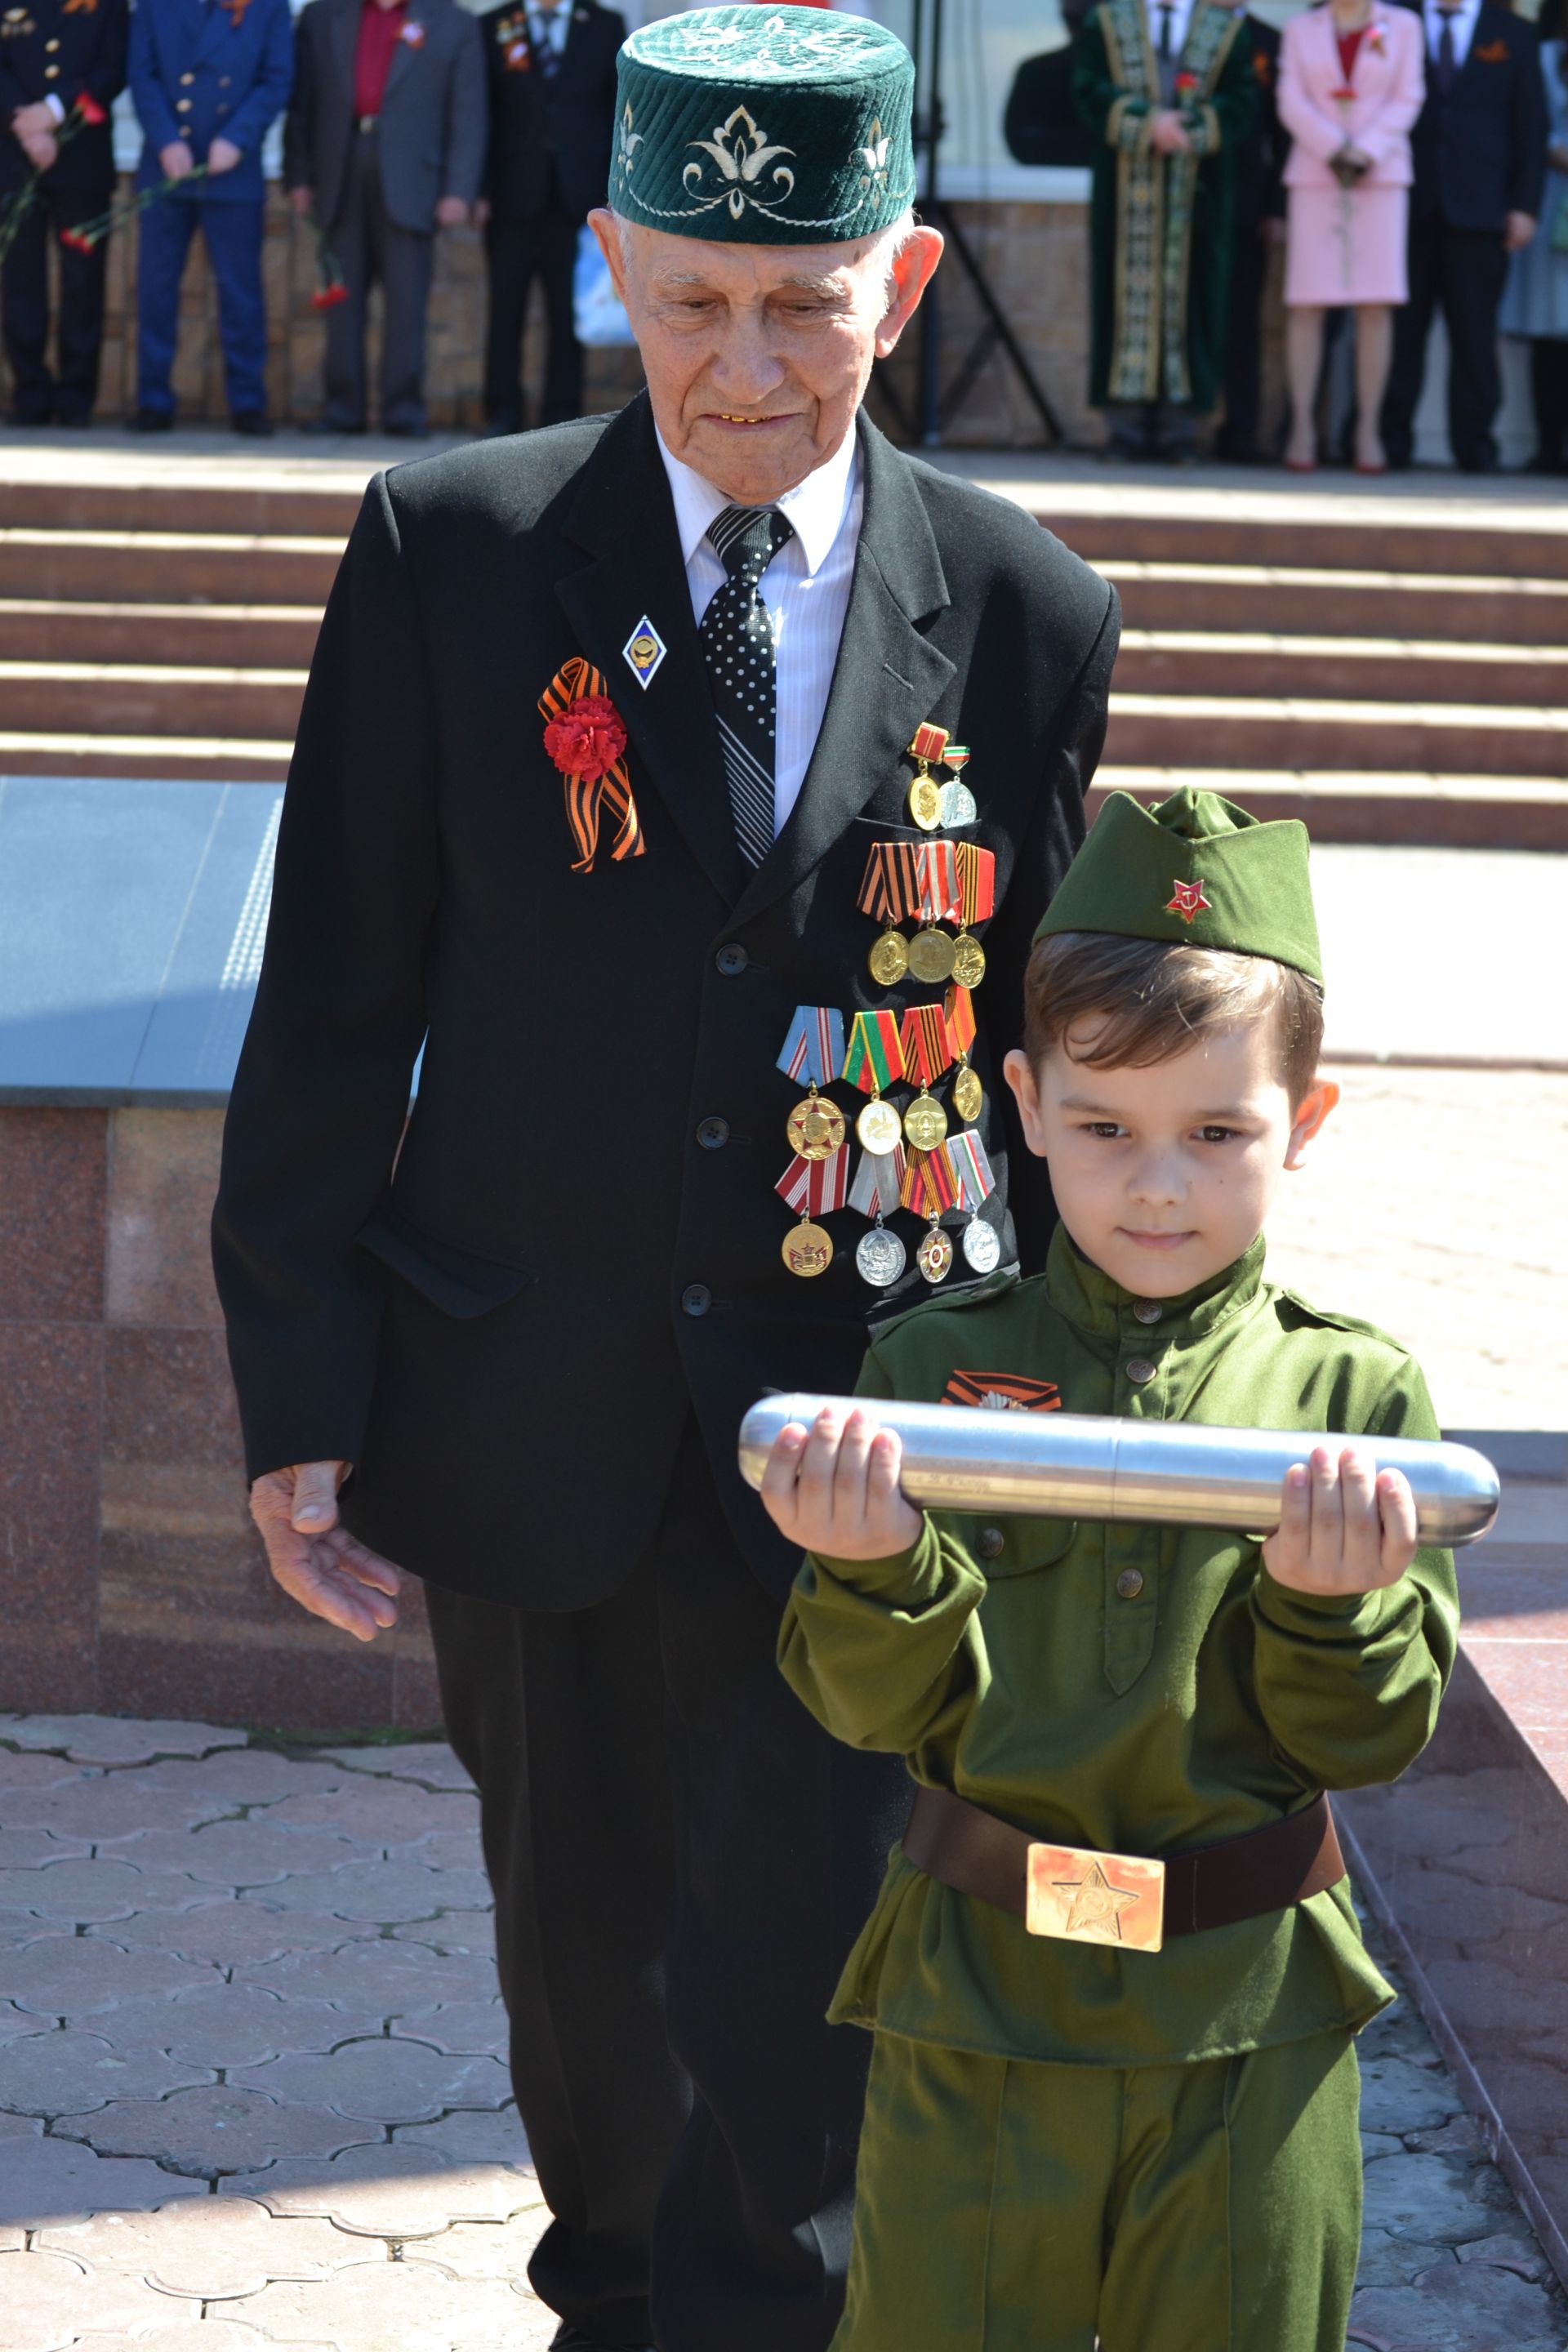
<point x="763" y="126"/>
<point x="1197" y="871"/>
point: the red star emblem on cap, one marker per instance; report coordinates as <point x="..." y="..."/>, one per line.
<point x="1188" y="902"/>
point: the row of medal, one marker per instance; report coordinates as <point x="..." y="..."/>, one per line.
<point x="908" y="1159"/>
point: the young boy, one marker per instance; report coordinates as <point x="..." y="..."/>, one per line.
<point x="1091" y="2132"/>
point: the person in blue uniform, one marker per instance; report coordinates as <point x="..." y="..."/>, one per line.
<point x="56" y="57"/>
<point x="208" y="79"/>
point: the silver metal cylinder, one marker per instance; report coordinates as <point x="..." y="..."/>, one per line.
<point x="1064" y="1466"/>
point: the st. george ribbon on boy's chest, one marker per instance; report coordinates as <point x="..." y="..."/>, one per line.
<point x="552" y="1200"/>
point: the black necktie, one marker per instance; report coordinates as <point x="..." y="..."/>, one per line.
<point x="545" y="44"/>
<point x="1167" y="15"/>
<point x="1447" y="64"/>
<point x="737" y="635"/>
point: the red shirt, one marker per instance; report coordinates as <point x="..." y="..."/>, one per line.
<point x="380" y="30"/>
<point x="1349" y="44"/>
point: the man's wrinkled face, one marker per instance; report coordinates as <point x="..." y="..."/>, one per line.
<point x="757" y="356"/>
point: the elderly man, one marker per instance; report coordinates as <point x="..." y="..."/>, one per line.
<point x="632" y="785"/>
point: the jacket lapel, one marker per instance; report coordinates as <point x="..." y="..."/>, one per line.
<point x="887" y="680"/>
<point x="344" y="23"/>
<point x="623" y="515"/>
<point x="405" y="53"/>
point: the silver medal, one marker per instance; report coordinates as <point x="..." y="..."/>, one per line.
<point x="981" y="1245"/>
<point x="880" y="1256"/>
<point x="959" y="805"/>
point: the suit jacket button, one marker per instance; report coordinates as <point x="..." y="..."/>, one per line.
<point x="1130" y="1583"/>
<point x="714" y="1134"/>
<point x="696" y="1299"/>
<point x="993" y="1543"/>
<point x="732" y="959"/>
<point x="1140" y="1371"/>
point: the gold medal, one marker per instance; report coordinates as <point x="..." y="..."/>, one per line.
<point x="968" y="1096"/>
<point x="925" y="1122"/>
<point x="878" y="1126"/>
<point x="808" y="1248"/>
<point x="930" y="957"/>
<point x="935" y="1256"/>
<point x="925" y="802"/>
<point x="889" y="959"/>
<point x="816" y="1127"/>
<point x="968" y="965"/>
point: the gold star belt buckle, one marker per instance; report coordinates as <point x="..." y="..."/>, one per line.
<point x="1096" y="1898"/>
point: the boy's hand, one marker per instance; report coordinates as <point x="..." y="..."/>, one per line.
<point x="1341" y="1530"/>
<point x="835" y="1489"/>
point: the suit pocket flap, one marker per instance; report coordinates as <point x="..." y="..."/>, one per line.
<point x="459" y="1281"/>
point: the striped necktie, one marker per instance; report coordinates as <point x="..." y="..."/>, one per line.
<point x="738" y="646"/>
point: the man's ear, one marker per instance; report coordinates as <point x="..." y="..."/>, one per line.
<point x="913" y="266"/>
<point x="1019" y="1073"/>
<point x="1311" y="1112"/>
<point x="607" y="236"/>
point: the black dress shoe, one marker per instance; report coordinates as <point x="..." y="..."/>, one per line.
<point x="31" y="416"/>
<point x="407" y="432"/>
<point x="500" y="428"/>
<point x="329" y="425"/>
<point x="568" y="2339"/>
<point x="152" y="420"/>
<point x="253" y="423"/>
<point x="77" y="421"/>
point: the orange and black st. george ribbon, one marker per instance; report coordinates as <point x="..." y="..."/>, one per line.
<point x="1007" y="1392"/>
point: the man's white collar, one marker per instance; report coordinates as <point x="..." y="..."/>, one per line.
<point x="815" y="508"/>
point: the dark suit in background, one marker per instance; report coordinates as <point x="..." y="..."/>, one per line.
<point x="50" y="50"/>
<point x="1042" y="123"/>
<point x="552" y="120"/>
<point x="378" y="177"/>
<point x="535" y="1327"/>
<point x="1480" y="152"/>
<point x="1259" y="199"/>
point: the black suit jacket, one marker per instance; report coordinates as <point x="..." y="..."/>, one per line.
<point x="1260" y="157"/>
<point x="1041" y="124"/>
<point x="550" y="141"/>
<point x="432" y="139"/>
<point x="1481" y="153"/>
<point x="496" y="1323"/>
<point x="47" y="49"/>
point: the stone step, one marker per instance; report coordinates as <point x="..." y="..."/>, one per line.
<point x="1178" y="662"/>
<point x="163" y="567"/>
<point x="1344" y="604"/>
<point x="1273" y="732"/>
<point x="128" y="698"/>
<point x="228" y="637"/>
<point x="1341" y="535"/>
<point x="1441" y="811"/>
<point x="205" y="759"/>
<point x="166" y="502"/>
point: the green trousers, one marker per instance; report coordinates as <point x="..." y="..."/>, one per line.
<point x="1009" y="2207"/>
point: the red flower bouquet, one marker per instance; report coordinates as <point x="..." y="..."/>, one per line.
<point x="587" y="738"/>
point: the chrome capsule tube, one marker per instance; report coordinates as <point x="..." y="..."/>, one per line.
<point x="1064" y="1466"/>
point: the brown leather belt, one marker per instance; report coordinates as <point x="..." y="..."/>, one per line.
<point x="1124" y="1900"/>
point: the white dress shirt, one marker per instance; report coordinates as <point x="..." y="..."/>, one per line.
<point x="805" y="589"/>
<point x="1464" y="23"/>
<point x="1181" y="17"/>
<point x="548" y="27"/>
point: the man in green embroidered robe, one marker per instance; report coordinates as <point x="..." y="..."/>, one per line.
<point x="1166" y="87"/>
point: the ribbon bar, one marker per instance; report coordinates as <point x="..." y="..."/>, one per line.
<point x="876" y="1058"/>
<point x="924" y="1041"/>
<point x="976" y="882"/>
<point x="878" y="1182"/>
<point x="813" y="1049"/>
<point x="910" y="878"/>
<point x="814" y="1187"/>
<point x="972" y="1167"/>
<point x="958" y="1012"/>
<point x="929" y="743"/>
<point x="931" y="1183"/>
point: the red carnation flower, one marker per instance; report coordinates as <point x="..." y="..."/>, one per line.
<point x="587" y="738"/>
<point x="327" y="297"/>
<point x="88" y="106"/>
<point x="1344" y="95"/>
<point x="75" y="240"/>
<point x="1185" y="82"/>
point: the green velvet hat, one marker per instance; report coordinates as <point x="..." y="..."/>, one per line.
<point x="1197" y="871"/>
<point x="763" y="126"/>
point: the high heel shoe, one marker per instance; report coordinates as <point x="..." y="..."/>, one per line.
<point x="1300" y="465"/>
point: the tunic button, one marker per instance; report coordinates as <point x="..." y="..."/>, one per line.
<point x="732" y="959"/>
<point x="182" y="106"/>
<point x="1140" y="1369"/>
<point x="714" y="1134"/>
<point x="696" y="1299"/>
<point x="993" y="1543"/>
<point x="49" y="48"/>
<point x="185" y="80"/>
<point x="1130" y="1583"/>
<point x="51" y="73"/>
<point x="1147" y="1310"/>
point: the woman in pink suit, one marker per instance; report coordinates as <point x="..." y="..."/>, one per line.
<point x="1352" y="83"/>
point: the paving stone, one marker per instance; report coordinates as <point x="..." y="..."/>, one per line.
<point x="453" y="1849"/>
<point x="383" y="1890"/>
<point x="471" y="2136"/>
<point x="1394" y="2262"/>
<point x="430" y="1762"/>
<point x="203" y="2336"/>
<point x="48" y="2300"/>
<point x="77" y="1976"/>
<point x="1510" y="2249"/>
<point x="384" y="1811"/>
<point x="222" y="2128"/>
<point x="84" y="1892"/>
<point x="383" y="2081"/>
<point x="234" y="1930"/>
<point x="67" y="2073"/>
<point x="15" y="2022"/>
<point x="114" y="1739"/>
<point x="468" y="2025"/>
<point x="398" y="2192"/>
<point x="246" y="1776"/>
<point x="35" y="1849"/>
<point x="454" y="1931"/>
<point x="374" y="1974"/>
<point x="233" y="2025"/>
<point x="1456" y="2307"/>
<point x="13" y="2239"/>
<point x="1432" y="2198"/>
<point x="253" y="1852"/>
<point x="19" y="2127"/>
<point x="109" y="1808"/>
<point x="485" y="2250"/>
<point x="380" y="2304"/>
<point x="55" y="2179"/>
<point x="27" y="1771"/>
<point x="211" y="2247"/>
<point x="1457" y="2137"/>
<point x="1397" y="2096"/>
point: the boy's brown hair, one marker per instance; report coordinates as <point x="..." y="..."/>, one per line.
<point x="1154" y="1000"/>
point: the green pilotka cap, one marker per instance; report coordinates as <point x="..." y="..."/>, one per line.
<point x="763" y="126"/>
<point x="1197" y="871"/>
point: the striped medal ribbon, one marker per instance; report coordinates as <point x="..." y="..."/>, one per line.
<point x="958" y="1012"/>
<point x="814" y="1187"/>
<point x="924" y="1040"/>
<point x="980" y="1243"/>
<point x="875" y="1060"/>
<point x="930" y="1188"/>
<point x="814" y="1050"/>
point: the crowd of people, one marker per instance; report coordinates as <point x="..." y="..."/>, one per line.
<point x="401" y="118"/>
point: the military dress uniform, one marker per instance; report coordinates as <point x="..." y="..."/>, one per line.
<point x="200" y="70"/>
<point x="1063" y="2136"/>
<point x="57" y="51"/>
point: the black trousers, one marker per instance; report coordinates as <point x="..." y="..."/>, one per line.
<point x="38" y="394"/>
<point x="682" y="1859"/>
<point x="1549" y="395"/>
<point x="1465" y="271"/>
<point x="516" y="253"/>
<point x="371" y="247"/>
<point x="1238" y="435"/>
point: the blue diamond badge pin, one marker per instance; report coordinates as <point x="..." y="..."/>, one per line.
<point x="644" y="650"/>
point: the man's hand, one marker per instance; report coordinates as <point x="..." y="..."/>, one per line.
<point x="303" y="201"/>
<point x="223" y="155"/>
<point x="1517" y="231"/>
<point x="1168" y="133"/>
<point x="835" y="1489"/>
<point x="452" y="212"/>
<point x="318" y="1563"/>
<point x="1342" y="1530"/>
<point x="36" y="121"/>
<point x="482" y="213"/>
<point x="40" y="148"/>
<point x="176" y="160"/>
